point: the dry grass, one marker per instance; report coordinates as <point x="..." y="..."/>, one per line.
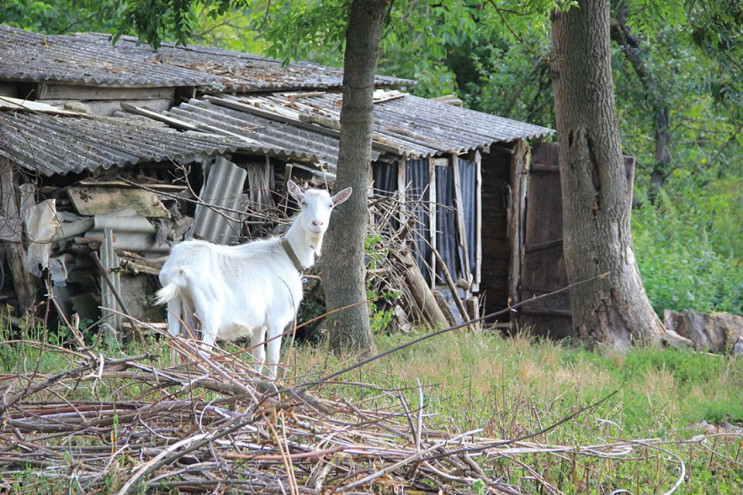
<point x="459" y="413"/>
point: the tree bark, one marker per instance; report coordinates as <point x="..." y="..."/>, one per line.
<point x="343" y="266"/>
<point x="613" y="311"/>
<point x="620" y="32"/>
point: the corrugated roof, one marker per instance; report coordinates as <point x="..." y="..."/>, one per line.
<point x="243" y="72"/>
<point x="52" y="144"/>
<point x="90" y="59"/>
<point x="308" y="145"/>
<point x="404" y="125"/>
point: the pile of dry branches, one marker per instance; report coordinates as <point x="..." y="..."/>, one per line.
<point x="214" y="426"/>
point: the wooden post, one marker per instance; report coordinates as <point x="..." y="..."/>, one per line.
<point x="24" y="283"/>
<point x="432" y="206"/>
<point x="419" y="291"/>
<point x="478" y="223"/>
<point x="516" y="207"/>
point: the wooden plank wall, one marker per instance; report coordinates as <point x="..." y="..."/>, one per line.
<point x="543" y="268"/>
<point x="496" y="180"/>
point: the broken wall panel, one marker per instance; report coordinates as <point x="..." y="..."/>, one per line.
<point x="418" y="177"/>
<point x="468" y="187"/>
<point x="41" y="225"/>
<point x="446" y="233"/>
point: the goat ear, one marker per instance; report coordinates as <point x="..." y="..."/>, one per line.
<point x="340" y="197"/>
<point x="294" y="190"/>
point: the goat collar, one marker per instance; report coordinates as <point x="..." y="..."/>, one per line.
<point x="292" y="255"/>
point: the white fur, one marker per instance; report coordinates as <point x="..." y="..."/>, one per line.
<point x="249" y="290"/>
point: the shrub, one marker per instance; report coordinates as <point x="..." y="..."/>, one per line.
<point x="689" y="248"/>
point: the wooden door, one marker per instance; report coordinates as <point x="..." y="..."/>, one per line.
<point x="543" y="267"/>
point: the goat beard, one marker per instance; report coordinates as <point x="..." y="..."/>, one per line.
<point x="317" y="244"/>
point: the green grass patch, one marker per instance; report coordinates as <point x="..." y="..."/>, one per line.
<point x="518" y="386"/>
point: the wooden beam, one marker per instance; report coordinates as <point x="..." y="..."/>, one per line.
<point x="432" y="207"/>
<point x="478" y="222"/>
<point x="7" y="102"/>
<point x="516" y="209"/>
<point x="49" y="91"/>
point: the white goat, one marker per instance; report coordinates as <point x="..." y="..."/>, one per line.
<point x="252" y="289"/>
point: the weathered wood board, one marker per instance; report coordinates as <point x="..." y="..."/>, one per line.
<point x="543" y="267"/>
<point x="92" y="200"/>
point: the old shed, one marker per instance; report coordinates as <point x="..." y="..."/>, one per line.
<point x="192" y="127"/>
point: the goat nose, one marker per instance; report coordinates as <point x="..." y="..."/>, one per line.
<point x="318" y="223"/>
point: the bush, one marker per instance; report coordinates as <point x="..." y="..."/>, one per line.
<point x="689" y="248"/>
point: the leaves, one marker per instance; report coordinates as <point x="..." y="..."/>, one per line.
<point x="685" y="251"/>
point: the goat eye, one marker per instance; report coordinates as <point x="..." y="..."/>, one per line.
<point x="304" y="204"/>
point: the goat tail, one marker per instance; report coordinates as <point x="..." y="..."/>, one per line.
<point x="167" y="293"/>
<point x="171" y="290"/>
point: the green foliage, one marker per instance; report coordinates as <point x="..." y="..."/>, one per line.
<point x="310" y="30"/>
<point x="687" y="249"/>
<point x="157" y="20"/>
<point x="232" y="31"/>
<point x="62" y="16"/>
<point x="717" y="28"/>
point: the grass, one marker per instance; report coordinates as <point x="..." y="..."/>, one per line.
<point x="512" y="387"/>
<point x="519" y="386"/>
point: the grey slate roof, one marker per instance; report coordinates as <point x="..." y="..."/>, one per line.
<point x="51" y="144"/>
<point x="405" y="126"/>
<point x="90" y="59"/>
<point x="314" y="146"/>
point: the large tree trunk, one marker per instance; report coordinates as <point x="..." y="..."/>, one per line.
<point x="344" y="269"/>
<point x="613" y="311"/>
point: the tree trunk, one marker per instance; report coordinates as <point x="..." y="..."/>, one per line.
<point x="620" y="32"/>
<point x="612" y="311"/>
<point x="343" y="266"/>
